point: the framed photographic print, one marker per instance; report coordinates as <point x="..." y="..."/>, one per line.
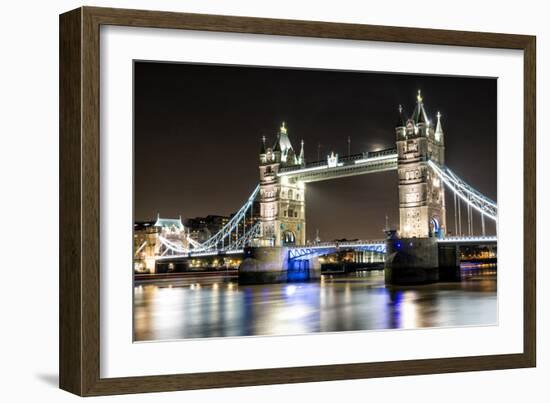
<point x="249" y="201"/>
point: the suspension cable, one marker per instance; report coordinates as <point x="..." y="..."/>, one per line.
<point x="468" y="194"/>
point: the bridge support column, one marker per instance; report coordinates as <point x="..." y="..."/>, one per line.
<point x="420" y="261"/>
<point x="314" y="267"/>
<point x="411" y="261"/>
<point x="449" y="262"/>
<point x="264" y="265"/>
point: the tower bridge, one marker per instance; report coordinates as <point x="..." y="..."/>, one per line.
<point x="414" y="251"/>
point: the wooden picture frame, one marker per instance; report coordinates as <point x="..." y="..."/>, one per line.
<point x="79" y="201"/>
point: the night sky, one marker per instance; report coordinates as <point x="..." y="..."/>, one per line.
<point x="198" y="130"/>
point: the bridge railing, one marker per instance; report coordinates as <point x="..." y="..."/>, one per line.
<point x="342" y="243"/>
<point x="485" y="238"/>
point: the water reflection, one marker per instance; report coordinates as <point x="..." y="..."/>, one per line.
<point x="218" y="306"/>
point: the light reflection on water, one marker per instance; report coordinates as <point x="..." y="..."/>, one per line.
<point x="218" y="306"/>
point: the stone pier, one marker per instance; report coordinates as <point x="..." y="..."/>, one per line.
<point x="420" y="261"/>
<point x="265" y="265"/>
<point x="449" y="262"/>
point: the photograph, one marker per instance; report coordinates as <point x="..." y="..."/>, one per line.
<point x="276" y="201"/>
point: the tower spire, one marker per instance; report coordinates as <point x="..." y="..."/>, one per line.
<point x="283" y="128"/>
<point x="419" y="114"/>
<point x="262" y="149"/>
<point x="301" y="158"/>
<point x="400" y="118"/>
<point x="438" y="128"/>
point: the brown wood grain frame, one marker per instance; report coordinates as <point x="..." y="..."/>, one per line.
<point x="79" y="347"/>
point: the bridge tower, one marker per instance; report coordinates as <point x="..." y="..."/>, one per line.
<point x="282" y="200"/>
<point x="421" y="194"/>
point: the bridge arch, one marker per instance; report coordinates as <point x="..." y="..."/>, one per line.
<point x="289" y="238"/>
<point x="435" y="226"/>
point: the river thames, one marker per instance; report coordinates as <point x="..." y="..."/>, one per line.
<point x="216" y="306"/>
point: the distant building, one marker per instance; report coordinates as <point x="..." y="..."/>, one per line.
<point x="148" y="244"/>
<point x="171" y="228"/>
<point x="202" y="228"/>
<point x="215" y="223"/>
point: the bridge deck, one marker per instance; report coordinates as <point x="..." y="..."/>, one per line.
<point x="301" y="251"/>
<point x="358" y="164"/>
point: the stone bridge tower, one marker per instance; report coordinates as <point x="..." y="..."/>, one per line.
<point x="282" y="200"/>
<point x="421" y="194"/>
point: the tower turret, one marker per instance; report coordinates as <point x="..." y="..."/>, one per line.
<point x="419" y="116"/>
<point x="400" y="117"/>
<point x="262" y="148"/>
<point x="284" y="147"/>
<point x="400" y="130"/>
